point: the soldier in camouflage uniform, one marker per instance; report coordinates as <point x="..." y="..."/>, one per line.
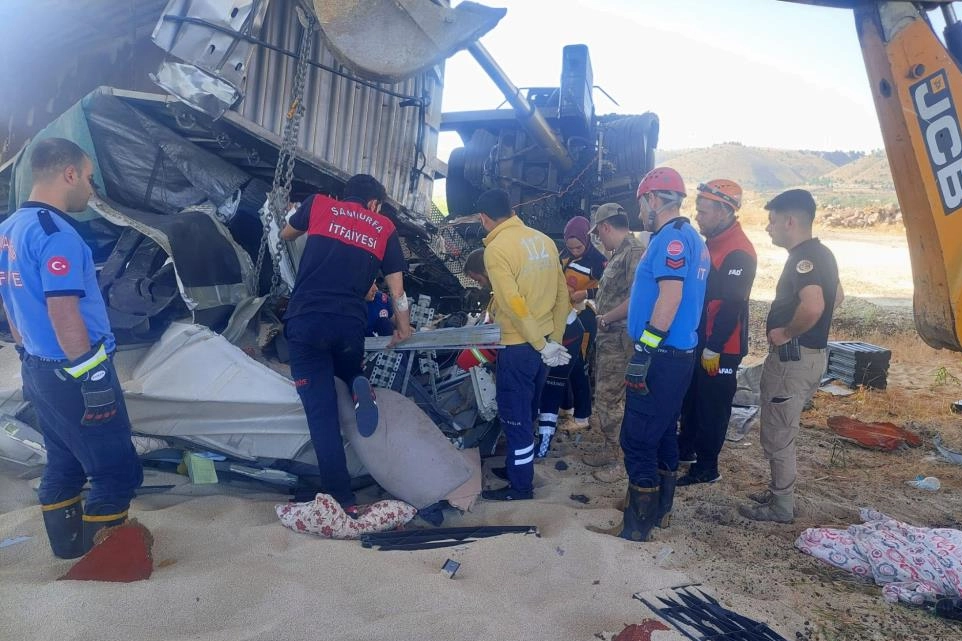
<point x="614" y="348"/>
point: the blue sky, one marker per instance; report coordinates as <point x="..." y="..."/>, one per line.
<point x="760" y="72"/>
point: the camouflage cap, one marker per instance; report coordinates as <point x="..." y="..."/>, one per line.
<point x="604" y="212"/>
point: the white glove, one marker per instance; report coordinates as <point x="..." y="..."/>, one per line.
<point x="554" y="354"/>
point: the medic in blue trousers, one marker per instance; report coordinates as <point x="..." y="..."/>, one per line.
<point x="59" y="321"/>
<point x="663" y="315"/>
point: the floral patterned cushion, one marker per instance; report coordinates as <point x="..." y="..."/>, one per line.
<point x="325" y="517"/>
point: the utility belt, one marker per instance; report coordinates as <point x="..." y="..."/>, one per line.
<point x="38" y="362"/>
<point x="43" y="363"/>
<point x="672" y="352"/>
<point x="792" y="351"/>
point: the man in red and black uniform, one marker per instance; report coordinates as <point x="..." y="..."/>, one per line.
<point x="722" y="334"/>
<point x="348" y="243"/>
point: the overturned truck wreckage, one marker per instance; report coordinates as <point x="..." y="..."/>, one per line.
<point x="265" y="104"/>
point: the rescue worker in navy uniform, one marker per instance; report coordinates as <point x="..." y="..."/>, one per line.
<point x="806" y="296"/>
<point x="348" y="243"/>
<point x="722" y="334"/>
<point x="59" y="321"/>
<point x="380" y="313"/>
<point x="531" y="307"/>
<point x="663" y="315"/>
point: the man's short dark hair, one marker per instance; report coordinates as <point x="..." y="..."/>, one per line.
<point x="51" y="156"/>
<point x="474" y="263"/>
<point x="495" y="204"/>
<point x="365" y="188"/>
<point x="793" y="200"/>
<point x="618" y="221"/>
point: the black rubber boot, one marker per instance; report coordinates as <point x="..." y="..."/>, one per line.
<point x="64" y="528"/>
<point x="641" y="514"/>
<point x="93" y="523"/>
<point x="666" y="496"/>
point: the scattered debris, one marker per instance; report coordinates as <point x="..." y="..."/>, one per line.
<point x="120" y="554"/>
<point x="559" y="550"/>
<point x="860" y="217"/>
<point x="663" y="554"/>
<point x="450" y="568"/>
<point x="441" y="537"/>
<point x="14" y="540"/>
<point x="925" y="483"/>
<point x="914" y="565"/>
<point x="325" y="517"/>
<point x="640" y="631"/>
<point x="561" y="466"/>
<point x="949" y="608"/>
<point x="704" y="616"/>
<point x="836" y="390"/>
<point x="877" y="436"/>
<point x="856" y="363"/>
<point x="580" y="498"/>
<point x="950" y="455"/>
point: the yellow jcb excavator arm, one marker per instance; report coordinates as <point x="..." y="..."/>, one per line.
<point x="917" y="87"/>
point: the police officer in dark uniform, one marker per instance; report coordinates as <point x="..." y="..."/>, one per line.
<point x="59" y="321"/>
<point x="348" y="243"/>
<point x="722" y="334"/>
<point x="806" y="295"/>
<point x="663" y="315"/>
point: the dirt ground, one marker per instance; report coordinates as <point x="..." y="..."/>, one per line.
<point x="710" y="541"/>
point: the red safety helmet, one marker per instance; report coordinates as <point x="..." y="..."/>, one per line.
<point x="661" y="179"/>
<point x="722" y="191"/>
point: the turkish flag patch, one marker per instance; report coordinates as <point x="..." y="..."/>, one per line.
<point x="675" y="248"/>
<point x="675" y="263"/>
<point x="58" y="266"/>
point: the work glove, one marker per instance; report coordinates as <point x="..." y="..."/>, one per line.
<point x="709" y="361"/>
<point x="92" y="371"/>
<point x="554" y="354"/>
<point x="637" y="371"/>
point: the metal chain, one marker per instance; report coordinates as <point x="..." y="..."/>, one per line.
<point x="279" y="196"/>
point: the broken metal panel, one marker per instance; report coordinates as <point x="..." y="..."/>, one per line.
<point x="216" y="71"/>
<point x="480" y="336"/>
<point x="355" y="127"/>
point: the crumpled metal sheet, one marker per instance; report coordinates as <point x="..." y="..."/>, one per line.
<point x="391" y="40"/>
<point x="194" y="385"/>
<point x="215" y="72"/>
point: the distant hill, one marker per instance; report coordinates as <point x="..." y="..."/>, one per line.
<point x="754" y="168"/>
<point x="871" y="172"/>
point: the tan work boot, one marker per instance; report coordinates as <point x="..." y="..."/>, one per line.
<point x="762" y="496"/>
<point x="611" y="474"/>
<point x="781" y="509"/>
<point x="602" y="458"/>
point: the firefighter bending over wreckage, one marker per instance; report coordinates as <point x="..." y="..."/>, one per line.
<point x="531" y="307"/>
<point x="348" y="243"/>
<point x="59" y="323"/>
